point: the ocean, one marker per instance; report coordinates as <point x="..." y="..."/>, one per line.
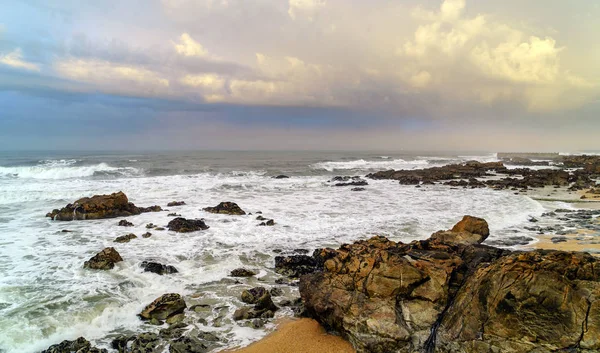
<point x="46" y="296"/>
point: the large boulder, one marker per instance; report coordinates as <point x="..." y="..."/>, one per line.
<point x="229" y="208"/>
<point x="163" y="307"/>
<point x="182" y="225"/>
<point x="97" y="207"/>
<point x="435" y="296"/>
<point x="80" y="345"/>
<point x="104" y="260"/>
<point x="470" y="230"/>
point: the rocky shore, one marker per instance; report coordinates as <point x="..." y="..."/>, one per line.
<point x="448" y="293"/>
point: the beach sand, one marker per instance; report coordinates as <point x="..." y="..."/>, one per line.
<point x="299" y="336"/>
<point x="580" y="241"/>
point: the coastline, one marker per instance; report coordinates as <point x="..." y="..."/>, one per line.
<point x="298" y="336"/>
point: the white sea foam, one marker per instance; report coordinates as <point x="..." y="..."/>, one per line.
<point x="51" y="298"/>
<point x="362" y="164"/>
<point x="63" y="169"/>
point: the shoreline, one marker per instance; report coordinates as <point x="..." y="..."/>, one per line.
<point x="298" y="336"/>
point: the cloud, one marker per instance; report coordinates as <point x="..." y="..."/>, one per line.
<point x="187" y="46"/>
<point x="306" y="8"/>
<point x="113" y="77"/>
<point x="15" y="59"/>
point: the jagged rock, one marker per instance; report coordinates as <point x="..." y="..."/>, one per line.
<point x="242" y="272"/>
<point x="104" y="260"/>
<point x="471" y="169"/>
<point x="125" y="223"/>
<point x="295" y="265"/>
<point x="80" y="345"/>
<point x="187" y="344"/>
<point x="158" y="268"/>
<point x="125" y="238"/>
<point x="470" y="230"/>
<point x="229" y="208"/>
<point x="175" y="203"/>
<point x="142" y="343"/>
<point x="97" y="207"/>
<point x="183" y="225"/>
<point x="433" y="296"/>
<point x="251" y="296"/>
<point x="163" y="307"/>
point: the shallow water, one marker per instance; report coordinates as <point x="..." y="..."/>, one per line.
<point x="46" y="296"/>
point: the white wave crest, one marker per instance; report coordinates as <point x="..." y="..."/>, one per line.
<point x="63" y="169"/>
<point x="362" y="164"/>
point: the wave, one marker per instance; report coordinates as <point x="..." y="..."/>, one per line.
<point x="362" y="164"/>
<point x="65" y="169"/>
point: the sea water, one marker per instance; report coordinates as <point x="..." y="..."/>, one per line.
<point x="46" y="296"/>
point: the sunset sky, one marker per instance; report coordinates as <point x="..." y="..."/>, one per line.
<point x="300" y="74"/>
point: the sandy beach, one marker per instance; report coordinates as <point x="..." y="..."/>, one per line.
<point x="299" y="336"/>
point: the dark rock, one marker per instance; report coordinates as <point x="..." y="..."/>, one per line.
<point x="158" y="268"/>
<point x="150" y="226"/>
<point x="229" y="208"/>
<point x="276" y="292"/>
<point x="146" y="235"/>
<point x="187" y="344"/>
<point x="97" y="207"/>
<point x="358" y="189"/>
<point x="556" y="240"/>
<point x="295" y="265"/>
<point x="80" y="345"/>
<point x="510" y="241"/>
<point x="242" y="272"/>
<point x="163" y="307"/>
<point x="183" y="225"/>
<point x="125" y="238"/>
<point x="142" y="343"/>
<point x="125" y="223"/>
<point x="159" y="228"/>
<point x="154" y="208"/>
<point x="264" y="307"/>
<point x="269" y="223"/>
<point x="281" y="177"/>
<point x="173" y="215"/>
<point x="353" y="183"/>
<point x="175" y="203"/>
<point x="104" y="260"/>
<point x="260" y="218"/>
<point x="251" y="296"/>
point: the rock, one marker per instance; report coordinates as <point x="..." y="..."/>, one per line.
<point x="104" y="260"/>
<point x="533" y="220"/>
<point x="158" y="268"/>
<point x="432" y="296"/>
<point x="125" y="238"/>
<point x="173" y="215"/>
<point x="276" y="292"/>
<point x="229" y="208"/>
<point x="281" y="177"/>
<point x="80" y="345"/>
<point x="353" y="183"/>
<point x="556" y="240"/>
<point x="268" y="223"/>
<point x="175" y="203"/>
<point x="242" y="272"/>
<point x="125" y="223"/>
<point x="163" y="307"/>
<point x="159" y="228"/>
<point x="358" y="189"/>
<point x="473" y="225"/>
<point x="142" y="343"/>
<point x="66" y="231"/>
<point x="182" y="225"/>
<point x="470" y="230"/>
<point x="510" y="241"/>
<point x="186" y="344"/>
<point x="154" y="208"/>
<point x="146" y="235"/>
<point x="260" y="218"/>
<point x="97" y="207"/>
<point x="251" y="296"/>
<point x="150" y="226"/>
<point x="295" y="265"/>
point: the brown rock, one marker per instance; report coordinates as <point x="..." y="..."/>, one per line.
<point x="164" y="307"/>
<point x="182" y="225"/>
<point x="125" y="238"/>
<point x="229" y="208"/>
<point x="104" y="260"/>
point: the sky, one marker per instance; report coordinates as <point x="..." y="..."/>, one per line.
<point x="493" y="75"/>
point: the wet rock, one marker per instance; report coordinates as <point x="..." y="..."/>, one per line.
<point x="260" y="218"/>
<point x="80" y="345"/>
<point x="470" y="230"/>
<point x="358" y="189"/>
<point x="150" y="226"/>
<point x="159" y="228"/>
<point x="142" y="343"/>
<point x="471" y="169"/>
<point x="276" y="292"/>
<point x="154" y="208"/>
<point x="163" y="307"/>
<point x="173" y="215"/>
<point x="187" y="344"/>
<point x="125" y="223"/>
<point x="556" y="240"/>
<point x="251" y="296"/>
<point x="66" y="231"/>
<point x="268" y="223"/>
<point x="510" y="241"/>
<point x="125" y="238"/>
<point x="281" y="177"/>
<point x="295" y="265"/>
<point x="353" y="183"/>
<point x="104" y="260"/>
<point x="182" y="225"/>
<point x="97" y="207"/>
<point x="229" y="208"/>
<point x="146" y="235"/>
<point x="175" y="203"/>
<point x="242" y="272"/>
<point x="158" y="268"/>
<point x="533" y="220"/>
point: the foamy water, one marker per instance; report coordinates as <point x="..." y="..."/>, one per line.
<point x="46" y="296"/>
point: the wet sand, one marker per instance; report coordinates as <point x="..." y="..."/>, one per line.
<point x="299" y="336"/>
<point x="582" y="240"/>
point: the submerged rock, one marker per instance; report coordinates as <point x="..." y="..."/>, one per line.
<point x="125" y="223"/>
<point x="447" y="296"/>
<point x="125" y="238"/>
<point x="80" y="345"/>
<point x="104" y="260"/>
<point x="264" y="307"/>
<point x="182" y="225"/>
<point x="229" y="208"/>
<point x="175" y="203"/>
<point x="158" y="268"/>
<point x="251" y="296"/>
<point x="97" y="207"/>
<point x="268" y="223"/>
<point x="295" y="265"/>
<point x="163" y="307"/>
<point x="242" y="272"/>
